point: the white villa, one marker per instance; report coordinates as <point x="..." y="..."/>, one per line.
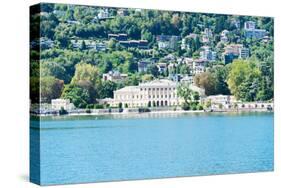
<point x="58" y="104"/>
<point x="224" y="100"/>
<point x="156" y="93"/>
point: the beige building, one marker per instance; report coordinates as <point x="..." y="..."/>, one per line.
<point x="57" y="104"/>
<point x="156" y="93"/>
<point x="225" y="100"/>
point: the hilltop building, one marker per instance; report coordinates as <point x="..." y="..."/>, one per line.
<point x="207" y="54"/>
<point x="252" y="32"/>
<point x="167" y="41"/>
<point x="114" y="76"/>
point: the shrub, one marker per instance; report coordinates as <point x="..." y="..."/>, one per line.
<point x="99" y="106"/>
<point x="90" y="106"/>
<point x="199" y="107"/>
<point x="62" y="111"/>
<point x="185" y="107"/>
<point x="193" y="107"/>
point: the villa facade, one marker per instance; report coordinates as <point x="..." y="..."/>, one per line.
<point x="155" y="93"/>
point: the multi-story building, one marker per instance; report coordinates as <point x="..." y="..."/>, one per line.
<point x="252" y="32"/>
<point x="118" y="37"/>
<point x="231" y="52"/>
<point x="167" y="41"/>
<point x="234" y="51"/>
<point x="244" y="53"/>
<point x="141" y="44"/>
<point x="250" y="25"/>
<point x="89" y="44"/>
<point x="196" y="66"/>
<point x="154" y="93"/>
<point x="255" y="33"/>
<point x="207" y="54"/>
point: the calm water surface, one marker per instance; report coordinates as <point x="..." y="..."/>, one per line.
<point x="106" y="148"/>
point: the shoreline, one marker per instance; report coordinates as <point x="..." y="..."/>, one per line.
<point x="152" y="112"/>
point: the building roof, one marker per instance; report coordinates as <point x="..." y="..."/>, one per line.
<point x="161" y="82"/>
<point x="128" y="89"/>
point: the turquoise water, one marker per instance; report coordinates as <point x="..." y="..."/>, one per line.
<point x="110" y="148"/>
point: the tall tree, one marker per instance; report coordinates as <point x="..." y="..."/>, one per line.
<point x="206" y="81"/>
<point x="244" y="80"/>
<point x="50" y="88"/>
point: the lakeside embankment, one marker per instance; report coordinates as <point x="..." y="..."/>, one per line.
<point x="126" y="111"/>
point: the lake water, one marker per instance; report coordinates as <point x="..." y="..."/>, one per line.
<point x="127" y="147"/>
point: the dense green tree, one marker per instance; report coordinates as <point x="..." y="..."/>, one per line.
<point x="153" y="69"/>
<point x="78" y="96"/>
<point x="184" y="69"/>
<point x="188" y="96"/>
<point x="206" y="81"/>
<point x="87" y="78"/>
<point x="106" y="89"/>
<point x="50" y="88"/>
<point x="85" y="72"/>
<point x="220" y="74"/>
<point x="244" y="80"/>
<point x="54" y="69"/>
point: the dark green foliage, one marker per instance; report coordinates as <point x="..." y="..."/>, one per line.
<point x="62" y="111"/>
<point x="152" y="69"/>
<point x="78" y="96"/>
<point x="50" y="88"/>
<point x="106" y="89"/>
